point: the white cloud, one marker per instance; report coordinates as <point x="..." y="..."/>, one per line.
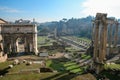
<point x="111" y="7"/>
<point x="9" y="10"/>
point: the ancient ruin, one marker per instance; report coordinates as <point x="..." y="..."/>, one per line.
<point x="103" y="39"/>
<point x="12" y="35"/>
<point x="3" y="57"/>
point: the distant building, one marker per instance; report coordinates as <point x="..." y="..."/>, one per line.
<point x="21" y="21"/>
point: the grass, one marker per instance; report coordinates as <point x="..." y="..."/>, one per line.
<point x="4" y="64"/>
<point x="83" y="56"/>
<point x="69" y="64"/>
<point x="44" y="41"/>
<point x="22" y="76"/>
<point x="63" y="66"/>
<point x="41" y="38"/>
<point x="110" y="76"/>
<point x="30" y="76"/>
<point x="112" y="66"/>
<point x="48" y="63"/>
<point x="85" y="39"/>
<point x="71" y="49"/>
<point x="18" y="68"/>
<point x="56" y="65"/>
<point x="78" y="39"/>
<point x="80" y="71"/>
<point x="72" y="67"/>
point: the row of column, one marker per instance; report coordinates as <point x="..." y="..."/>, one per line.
<point x="112" y="38"/>
<point x="103" y="39"/>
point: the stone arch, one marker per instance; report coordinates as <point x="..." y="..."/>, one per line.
<point x="20" y="44"/>
<point x="11" y="33"/>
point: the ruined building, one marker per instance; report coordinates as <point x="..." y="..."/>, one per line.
<point x="12" y="35"/>
<point x="103" y="40"/>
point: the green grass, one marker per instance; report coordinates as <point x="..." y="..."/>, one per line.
<point x="78" y="70"/>
<point x="72" y="67"/>
<point x="30" y="76"/>
<point x="44" y="41"/>
<point x="17" y="68"/>
<point x="60" y="65"/>
<point x="22" y="76"/>
<point x="41" y="39"/>
<point x="112" y="66"/>
<point x="69" y="63"/>
<point x="83" y="56"/>
<point x="20" y="67"/>
<point x="48" y="63"/>
<point x="77" y="39"/>
<point x="110" y="76"/>
<point x="66" y="66"/>
<point x="85" y="39"/>
<point x="71" y="49"/>
<point x="55" y="65"/>
<point x="4" y="64"/>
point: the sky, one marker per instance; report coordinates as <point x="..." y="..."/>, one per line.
<point x="55" y="10"/>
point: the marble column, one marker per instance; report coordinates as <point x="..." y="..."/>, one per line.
<point x="35" y="40"/>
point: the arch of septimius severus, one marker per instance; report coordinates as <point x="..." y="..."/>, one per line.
<point x="11" y="33"/>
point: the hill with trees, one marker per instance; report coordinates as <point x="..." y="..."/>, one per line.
<point x="79" y="27"/>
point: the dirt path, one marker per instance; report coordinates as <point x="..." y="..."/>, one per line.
<point x="57" y="55"/>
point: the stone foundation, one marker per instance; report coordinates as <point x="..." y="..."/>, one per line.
<point x="3" y="58"/>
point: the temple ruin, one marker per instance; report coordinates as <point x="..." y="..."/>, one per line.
<point x="103" y="39"/>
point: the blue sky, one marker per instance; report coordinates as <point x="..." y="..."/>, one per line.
<point x="51" y="10"/>
<point x="41" y="10"/>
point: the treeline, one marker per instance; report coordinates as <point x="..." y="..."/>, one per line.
<point x="79" y="27"/>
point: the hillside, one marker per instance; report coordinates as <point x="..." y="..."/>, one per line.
<point x="73" y="26"/>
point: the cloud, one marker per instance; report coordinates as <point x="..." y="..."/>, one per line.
<point x="9" y="10"/>
<point x="111" y="7"/>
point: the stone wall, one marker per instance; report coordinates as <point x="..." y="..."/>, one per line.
<point x="3" y="58"/>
